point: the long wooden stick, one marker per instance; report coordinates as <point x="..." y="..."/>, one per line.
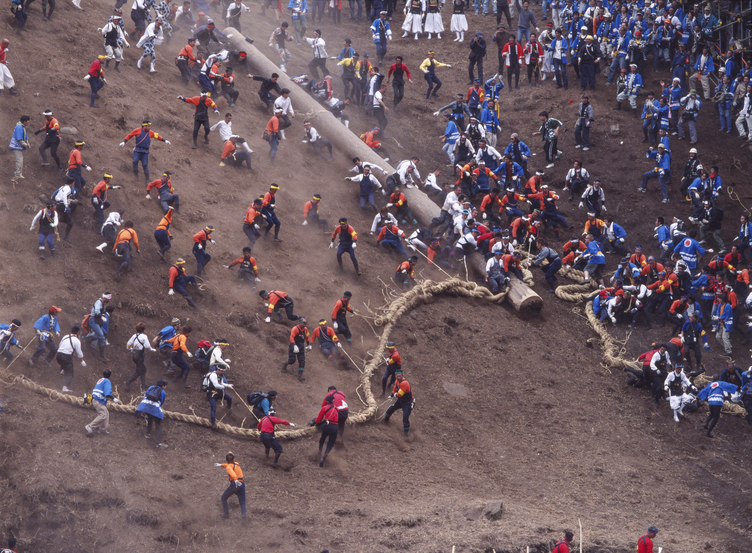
<point x="580" y="523"/>
<point x="17" y="356"/>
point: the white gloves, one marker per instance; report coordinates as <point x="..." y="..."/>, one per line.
<point x="485" y="215"/>
<point x="87" y="77"/>
<point x="212" y="241"/>
<point x="229" y="386"/>
<point x="354" y="245"/>
<point x="268" y="320"/>
<point x="581" y="205"/>
<point x="258" y="279"/>
<point x="256" y="227"/>
<point x="613" y="319"/>
<point x="383" y="192"/>
<point x="621" y="239"/>
<point x="391" y="396"/>
<point x="217" y="464"/>
<point x="171" y="292"/>
<point x="436" y="113"/>
<point x="122" y="144"/>
<point x="339" y="345"/>
<point x="88" y="168"/>
<point x="295" y="349"/>
<point x="200" y="247"/>
<point x="604" y="208"/>
<point x="83" y="363"/>
<point x="190" y="355"/>
<point x="449" y="66"/>
<point x="331" y="245"/>
<point x="116" y="187"/>
<point x="309" y="347"/>
<point x="168" y="142"/>
<point x="31" y="228"/>
<point x="389" y="205"/>
<point x="335" y="326"/>
<point x="292" y="424"/>
<point x="305" y="223"/>
<point x="148" y="196"/>
<point x="238" y="483"/>
<point x="115" y="400"/>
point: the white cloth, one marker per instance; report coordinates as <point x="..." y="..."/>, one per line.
<point x="63" y="195"/>
<point x="458" y="24"/>
<point x="449" y="201"/>
<point x="318" y="45"/>
<point x="381" y="221"/>
<point x="216" y="358"/>
<point x="6" y="79"/>
<point x="225" y="129"/>
<point x="285" y="104"/>
<point x="69" y="344"/>
<point x="404" y="176"/>
<point x="112" y="219"/>
<point x="215" y="381"/>
<point x="433" y="24"/>
<point x="413" y="23"/>
<point x="138" y="342"/>
<point x="41" y="214"/>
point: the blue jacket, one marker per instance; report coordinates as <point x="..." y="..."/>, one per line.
<point x="700" y="333"/>
<point x="646" y="111"/>
<point x="12" y="341"/>
<point x="102" y="391"/>
<point x="618" y="231"/>
<point x="165" y="334"/>
<point x="151" y="407"/>
<point x="605" y="29"/>
<point x="662" y="161"/>
<point x="303" y="9"/>
<point x="451" y="132"/>
<point x="347" y="52"/>
<point x="702" y="282"/>
<point x="717" y="185"/>
<point x="265" y="405"/>
<point x="523" y="150"/>
<point x="593" y="254"/>
<point x="748" y="232"/>
<point x="489" y="118"/>
<point x="689" y="250"/>
<point x="493" y="89"/>
<point x="19" y="134"/>
<point x="709" y="67"/>
<point x="713" y="392"/>
<point x="632" y="272"/>
<point x="634" y="83"/>
<point x="624" y="47"/>
<point x="516" y="171"/>
<point x="664" y="234"/>
<point x="44" y="323"/>
<point x="726" y="314"/>
<point x="375" y="30"/>
<point x="564" y="47"/>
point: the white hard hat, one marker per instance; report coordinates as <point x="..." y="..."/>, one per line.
<point x="693" y="151"/>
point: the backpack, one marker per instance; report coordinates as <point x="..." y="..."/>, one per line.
<point x="204" y="351"/>
<point x="85" y="324"/>
<point x="154" y="393"/>
<point x="256" y="398"/>
<point x="206" y="385"/>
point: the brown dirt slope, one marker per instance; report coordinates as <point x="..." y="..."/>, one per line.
<point x="542" y="425"/>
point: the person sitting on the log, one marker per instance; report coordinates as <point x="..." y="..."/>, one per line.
<point x="512" y="265"/>
<point x="496" y="276"/>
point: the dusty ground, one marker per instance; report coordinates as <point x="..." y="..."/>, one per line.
<point x="541" y="426"/>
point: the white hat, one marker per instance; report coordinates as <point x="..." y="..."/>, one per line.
<point x="47" y="112"/>
<point x="693" y="151"/>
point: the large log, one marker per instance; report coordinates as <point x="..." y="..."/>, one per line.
<point x="327" y="125"/>
<point x="521" y="296"/>
<point x="344" y="140"/>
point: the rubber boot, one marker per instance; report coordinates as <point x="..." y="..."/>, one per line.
<point x="301" y="378"/>
<point x="276" y="458"/>
<point x="214" y="423"/>
<point x="151" y="67"/>
<point x="618" y="107"/>
<point x="191" y="302"/>
<point x="67" y="232"/>
<point x="634" y="113"/>
<point x="135" y="173"/>
<point x="44" y="13"/>
<point x="107" y="64"/>
<point x="406" y="431"/>
<point x="117" y="66"/>
<point x="284" y="367"/>
<point x="194" y="145"/>
<point x="101" y="355"/>
<point x="646" y="139"/>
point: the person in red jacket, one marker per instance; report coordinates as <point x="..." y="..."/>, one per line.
<point x="300" y="341"/>
<point x="99" y="197"/>
<point x="233" y="156"/>
<point x="645" y="543"/>
<point x="405" y="273"/>
<point x="328" y="341"/>
<point x="277" y="299"/>
<point x="328" y="419"/>
<point x="199" y="248"/>
<point x="340" y="404"/>
<point x="248" y="267"/>
<point x="311" y="214"/>
<point x="96" y="79"/>
<point x="250" y="225"/>
<point x="339" y="316"/>
<point x="143" y="137"/>
<point x="393" y="366"/>
<point x="563" y="545"/>
<point x="405" y="401"/>
<point x="178" y="280"/>
<point x="348" y="240"/>
<point x="266" y="427"/>
<point x="201" y="115"/>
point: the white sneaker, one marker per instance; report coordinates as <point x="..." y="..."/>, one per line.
<point x="578" y="146"/>
<point x="549" y="166"/>
<point x="438" y="35"/>
<point x="676" y="417"/>
<point x="66" y="390"/>
<point x="586" y="148"/>
<point x="88" y="429"/>
<point x="20" y="176"/>
<point x="138" y="63"/>
<point x="101" y="247"/>
<point x="405" y="34"/>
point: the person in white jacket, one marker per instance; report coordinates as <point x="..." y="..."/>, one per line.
<point x="152" y="36"/>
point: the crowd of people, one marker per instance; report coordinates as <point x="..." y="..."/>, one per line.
<point x="493" y="205"/>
